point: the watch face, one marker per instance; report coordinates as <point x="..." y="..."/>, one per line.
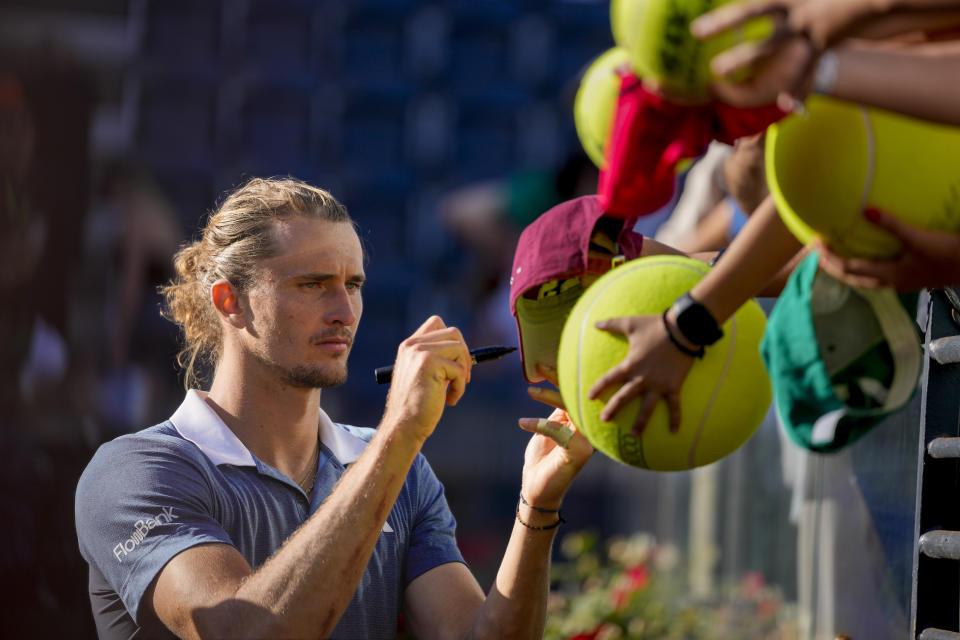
<point x="696" y="323"/>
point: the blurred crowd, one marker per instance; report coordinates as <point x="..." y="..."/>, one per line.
<point x="86" y="355"/>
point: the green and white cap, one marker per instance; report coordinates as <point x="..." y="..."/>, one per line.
<point x="840" y="358"/>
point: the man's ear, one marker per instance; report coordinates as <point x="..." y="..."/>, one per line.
<point x="226" y="300"/>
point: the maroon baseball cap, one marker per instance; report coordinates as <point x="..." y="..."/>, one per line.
<point x="571" y="240"/>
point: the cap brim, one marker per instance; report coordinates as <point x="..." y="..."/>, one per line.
<point x="540" y="324"/>
<point x="841" y="358"/>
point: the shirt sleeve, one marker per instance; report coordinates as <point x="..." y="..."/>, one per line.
<point x="138" y="505"/>
<point x="433" y="540"/>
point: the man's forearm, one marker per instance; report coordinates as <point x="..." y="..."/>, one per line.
<point x="516" y="605"/>
<point x="304" y="588"/>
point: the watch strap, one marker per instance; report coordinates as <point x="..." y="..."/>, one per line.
<point x="695" y="322"/>
<point x="693" y="353"/>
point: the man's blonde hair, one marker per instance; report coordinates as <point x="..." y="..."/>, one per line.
<point x="236" y="237"/>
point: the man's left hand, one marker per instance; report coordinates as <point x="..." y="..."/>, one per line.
<point x="554" y="457"/>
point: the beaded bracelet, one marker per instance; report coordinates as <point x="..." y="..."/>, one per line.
<point x="539" y="509"/>
<point x="556" y="524"/>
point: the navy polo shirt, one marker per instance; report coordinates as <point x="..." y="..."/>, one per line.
<point x="147" y="496"/>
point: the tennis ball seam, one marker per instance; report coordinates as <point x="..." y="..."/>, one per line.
<point x="871" y="160"/>
<point x="716" y="391"/>
<point x="580" y="334"/>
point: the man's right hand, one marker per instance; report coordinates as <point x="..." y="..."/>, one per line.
<point x="432" y="369"/>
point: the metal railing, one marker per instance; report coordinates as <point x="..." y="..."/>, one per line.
<point x="935" y="605"/>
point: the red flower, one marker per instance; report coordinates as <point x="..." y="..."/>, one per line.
<point x="752" y="584"/>
<point x="637" y="576"/>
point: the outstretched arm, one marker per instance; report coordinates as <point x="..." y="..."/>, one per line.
<point x="825" y="22"/>
<point x="757" y="262"/>
<point x="787" y="66"/>
<point x="919" y="81"/>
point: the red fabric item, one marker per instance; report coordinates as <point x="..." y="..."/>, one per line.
<point x="557" y="245"/>
<point x="650" y="135"/>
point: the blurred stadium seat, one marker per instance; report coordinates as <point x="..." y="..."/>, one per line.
<point x="182" y="34"/>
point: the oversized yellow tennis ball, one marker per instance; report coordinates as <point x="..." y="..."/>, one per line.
<point x="596" y="101"/>
<point x="723" y="400"/>
<point x="824" y="168"/>
<point x="657" y="35"/>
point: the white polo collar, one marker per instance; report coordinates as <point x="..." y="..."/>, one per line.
<point x="345" y="446"/>
<point x="197" y="422"/>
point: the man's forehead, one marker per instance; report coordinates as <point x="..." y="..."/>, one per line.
<point x="315" y="240"/>
<point x="295" y="227"/>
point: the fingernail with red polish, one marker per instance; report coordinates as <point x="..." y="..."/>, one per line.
<point x="871" y="214"/>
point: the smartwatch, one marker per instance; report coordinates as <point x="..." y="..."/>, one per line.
<point x="695" y="322"/>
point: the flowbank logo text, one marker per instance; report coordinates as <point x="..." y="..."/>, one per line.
<point x="140" y="530"/>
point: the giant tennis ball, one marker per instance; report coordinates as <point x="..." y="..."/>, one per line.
<point x="723" y="400"/>
<point x="826" y="167"/>
<point x="657" y="35"/>
<point x="596" y="102"/>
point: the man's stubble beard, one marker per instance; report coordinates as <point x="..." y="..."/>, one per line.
<point x="331" y="373"/>
<point x="304" y="377"/>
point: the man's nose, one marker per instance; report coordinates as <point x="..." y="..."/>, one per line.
<point x="343" y="308"/>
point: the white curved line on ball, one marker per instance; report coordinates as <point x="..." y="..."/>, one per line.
<point x="716" y="390"/>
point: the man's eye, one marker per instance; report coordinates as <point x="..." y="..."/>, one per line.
<point x="354" y="286"/>
<point x="309" y="285"/>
